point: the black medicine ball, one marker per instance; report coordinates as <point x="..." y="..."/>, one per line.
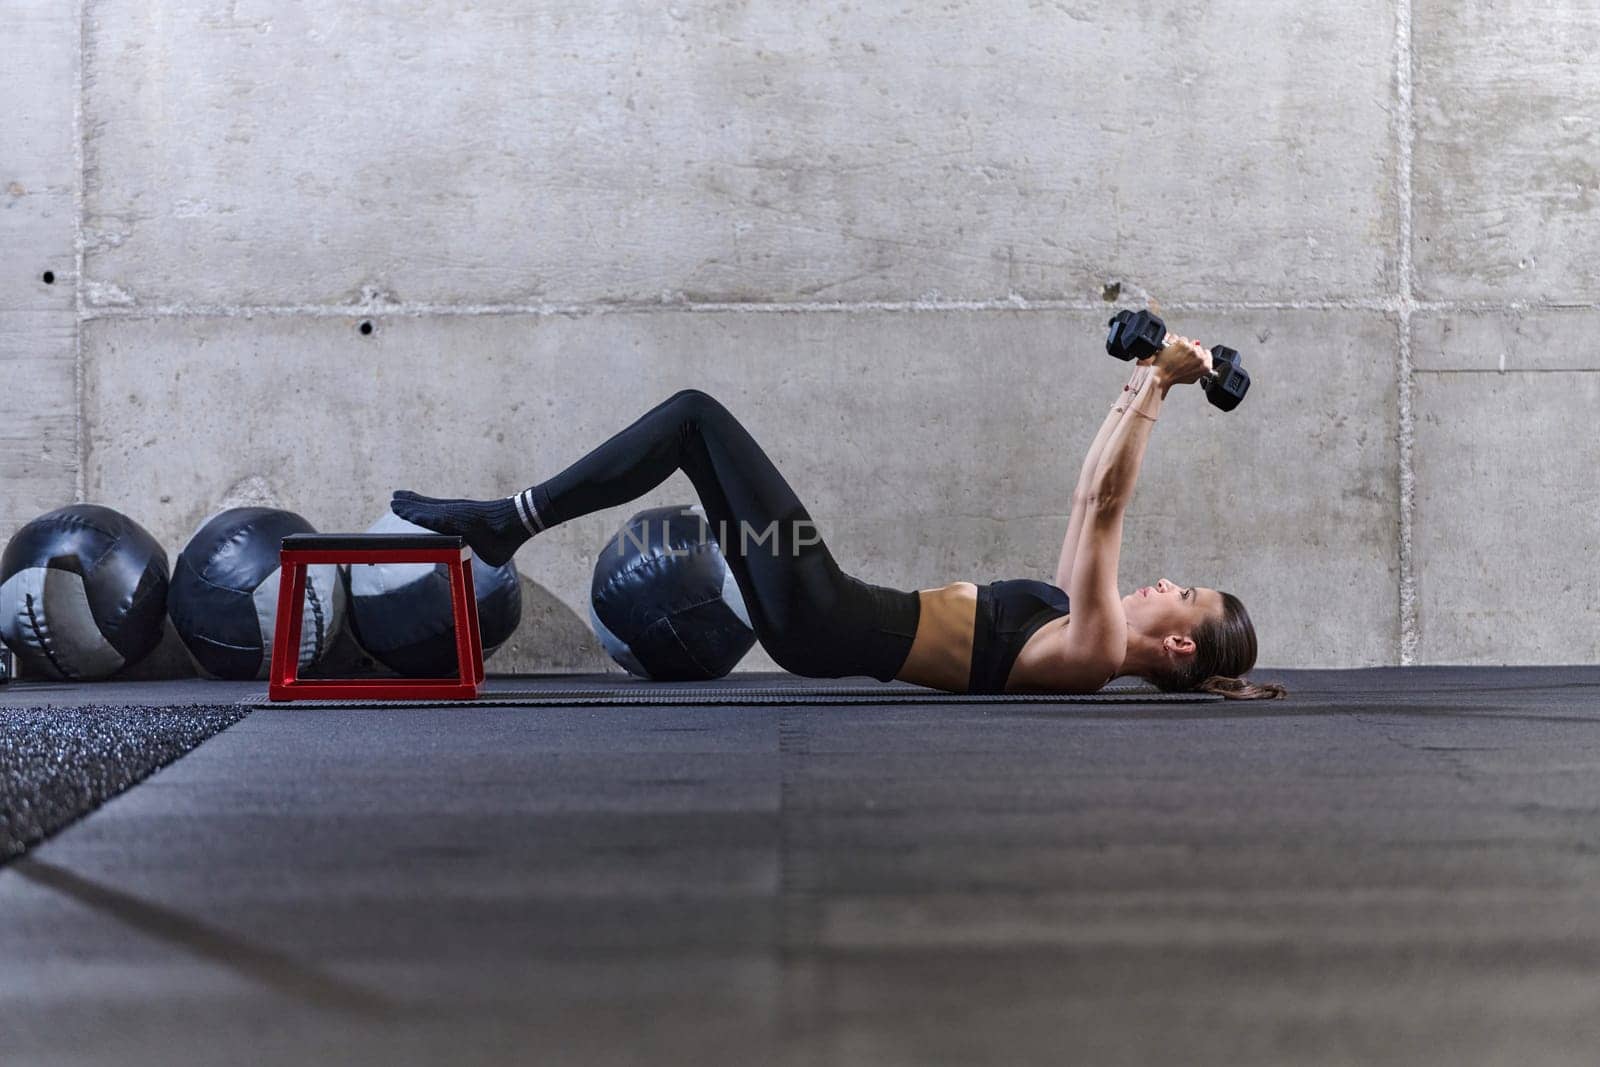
<point x="401" y="612"/>
<point x="224" y="596"/>
<point x="664" y="602"/>
<point x="83" y="593"/>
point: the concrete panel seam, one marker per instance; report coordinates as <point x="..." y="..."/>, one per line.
<point x="1406" y="122"/>
<point x="1498" y="306"/>
<point x="1503" y="371"/>
<point x="79" y="196"/>
<point x="158" y="311"/>
<point x="1387" y="305"/>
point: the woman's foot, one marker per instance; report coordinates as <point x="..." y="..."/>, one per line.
<point x="493" y="528"/>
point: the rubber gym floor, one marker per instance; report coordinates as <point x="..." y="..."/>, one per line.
<point x="1393" y="866"/>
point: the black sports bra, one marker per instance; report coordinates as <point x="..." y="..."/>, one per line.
<point x="1009" y="612"/>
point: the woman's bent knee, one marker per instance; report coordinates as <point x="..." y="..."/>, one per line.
<point x="696" y="401"/>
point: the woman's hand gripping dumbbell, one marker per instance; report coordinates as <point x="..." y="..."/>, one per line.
<point x="1140" y="335"/>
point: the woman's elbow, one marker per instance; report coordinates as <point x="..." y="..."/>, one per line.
<point x="1104" y="501"/>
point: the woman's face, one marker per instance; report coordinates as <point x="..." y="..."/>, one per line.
<point x="1168" y="608"/>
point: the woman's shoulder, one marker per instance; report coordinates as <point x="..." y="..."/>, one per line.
<point x="1052" y="663"/>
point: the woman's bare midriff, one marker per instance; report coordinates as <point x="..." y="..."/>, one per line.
<point x="941" y="652"/>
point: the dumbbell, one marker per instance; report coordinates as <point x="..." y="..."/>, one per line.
<point x="1140" y="335"/>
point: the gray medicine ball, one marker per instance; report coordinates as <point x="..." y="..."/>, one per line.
<point x="224" y="596"/>
<point x="83" y="593"/>
<point x="664" y="602"/>
<point x="400" y="612"/>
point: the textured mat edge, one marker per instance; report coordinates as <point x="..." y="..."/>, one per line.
<point x="62" y="762"/>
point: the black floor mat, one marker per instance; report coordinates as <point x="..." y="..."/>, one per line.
<point x="750" y="688"/>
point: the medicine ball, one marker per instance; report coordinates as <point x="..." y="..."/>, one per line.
<point x="83" y="593"/>
<point x="224" y="596"/>
<point x="664" y="602"/>
<point x="400" y="612"/>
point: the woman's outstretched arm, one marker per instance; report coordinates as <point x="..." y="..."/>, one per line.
<point x="1097" y="638"/>
<point x="1091" y="462"/>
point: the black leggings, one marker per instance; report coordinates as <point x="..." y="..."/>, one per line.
<point x="811" y="617"/>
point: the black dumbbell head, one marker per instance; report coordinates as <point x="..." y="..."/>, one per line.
<point x="1116" y="330"/>
<point x="1135" y="335"/>
<point x="1228" y="381"/>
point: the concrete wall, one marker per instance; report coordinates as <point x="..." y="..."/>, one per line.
<point x="888" y="236"/>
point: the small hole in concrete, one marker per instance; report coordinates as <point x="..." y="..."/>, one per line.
<point x="49" y="277"/>
<point x="366" y="327"/>
<point x="1111" y="291"/>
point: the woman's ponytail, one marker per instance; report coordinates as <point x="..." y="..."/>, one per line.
<point x="1239" y="689"/>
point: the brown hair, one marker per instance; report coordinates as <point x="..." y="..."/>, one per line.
<point x="1225" y="649"/>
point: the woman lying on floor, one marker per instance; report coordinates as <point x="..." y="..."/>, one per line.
<point x="817" y="621"/>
